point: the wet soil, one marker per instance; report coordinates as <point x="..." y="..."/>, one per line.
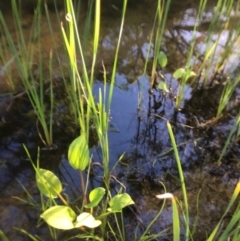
<point x="140" y="133"/>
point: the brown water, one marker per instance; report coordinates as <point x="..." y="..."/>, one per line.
<point x="142" y="134"/>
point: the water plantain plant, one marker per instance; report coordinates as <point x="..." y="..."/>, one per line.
<point x="91" y="214"/>
<point x="64" y="217"/>
<point x="181" y="74"/>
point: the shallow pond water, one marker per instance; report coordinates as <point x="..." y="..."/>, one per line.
<point x="138" y="127"/>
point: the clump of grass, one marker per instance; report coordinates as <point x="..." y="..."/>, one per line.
<point x="23" y="53"/>
<point x="234" y="130"/>
<point x="88" y="111"/>
<point x="200" y="68"/>
<point x="158" y="29"/>
<point x="228" y="90"/>
<point x="230" y="232"/>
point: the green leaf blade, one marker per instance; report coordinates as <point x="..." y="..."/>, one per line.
<point x="78" y="153"/>
<point x="179" y="73"/>
<point x="190" y="74"/>
<point x="176" y="223"/>
<point x="120" y="201"/>
<point x="95" y="197"/>
<point x="163" y="86"/>
<point x="162" y="59"/>
<point x="48" y="183"/>
<point x="87" y="220"/>
<point x="60" y="217"/>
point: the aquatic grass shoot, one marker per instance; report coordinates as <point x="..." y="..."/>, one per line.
<point x="229" y="28"/>
<point x="232" y="231"/>
<point x="220" y="53"/>
<point x="158" y="31"/>
<point x="3" y="236"/>
<point x="90" y="110"/>
<point x="185" y="74"/>
<point x="213" y="60"/>
<point x="205" y="66"/>
<point x="145" y="235"/>
<point x="183" y="185"/>
<point x="234" y="130"/>
<point x="228" y="90"/>
<point x="228" y="57"/>
<point x="154" y="44"/>
<point x="24" y="57"/>
<point x="175" y="215"/>
<point x="6" y="64"/>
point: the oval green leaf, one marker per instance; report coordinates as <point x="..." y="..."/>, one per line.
<point x="163" y="86"/>
<point x="179" y="73"/>
<point x="87" y="220"/>
<point x="162" y="59"/>
<point x="95" y="197"/>
<point x="78" y="153"/>
<point x="190" y="74"/>
<point x="48" y="183"/>
<point x="120" y="201"/>
<point x="60" y="217"/>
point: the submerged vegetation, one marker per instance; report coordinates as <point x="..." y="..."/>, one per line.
<point x="98" y="211"/>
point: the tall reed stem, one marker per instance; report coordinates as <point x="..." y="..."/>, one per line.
<point x="183" y="186"/>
